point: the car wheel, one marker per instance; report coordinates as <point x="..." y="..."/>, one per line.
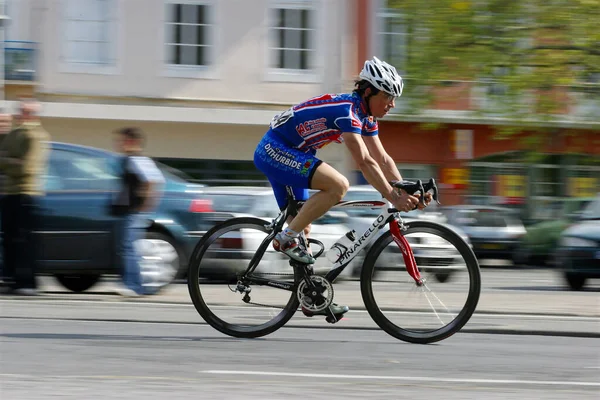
<point x="521" y="256"/>
<point x="77" y="283"/>
<point x="442" y="276"/>
<point x="160" y="260"/>
<point x="575" y="281"/>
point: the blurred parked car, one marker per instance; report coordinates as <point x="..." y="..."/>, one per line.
<point x="76" y="242"/>
<point x="495" y="232"/>
<point x="578" y="253"/>
<point x="431" y="252"/>
<point x="539" y="243"/>
<point x="236" y="249"/>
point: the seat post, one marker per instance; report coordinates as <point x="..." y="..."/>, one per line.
<point x="292" y="204"/>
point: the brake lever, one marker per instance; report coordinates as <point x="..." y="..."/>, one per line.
<point x="413" y="188"/>
<point x="431" y="186"/>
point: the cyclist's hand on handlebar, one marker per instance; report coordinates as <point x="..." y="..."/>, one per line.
<point x="405" y="202"/>
<point x="426" y="200"/>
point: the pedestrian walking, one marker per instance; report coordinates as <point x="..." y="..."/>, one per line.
<point x="139" y="193"/>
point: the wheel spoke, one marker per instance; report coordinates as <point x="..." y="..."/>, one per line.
<point x="235" y="305"/>
<point x="438" y="308"/>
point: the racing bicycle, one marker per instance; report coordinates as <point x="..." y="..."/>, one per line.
<point x="243" y="288"/>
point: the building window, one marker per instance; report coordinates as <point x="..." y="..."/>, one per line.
<point x="90" y="27"/>
<point x="188" y="33"/>
<point x="391" y="36"/>
<point x="292" y="31"/>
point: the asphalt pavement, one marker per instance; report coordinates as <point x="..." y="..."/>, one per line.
<point x="73" y="359"/>
<point x="511" y="302"/>
<point x="530" y="338"/>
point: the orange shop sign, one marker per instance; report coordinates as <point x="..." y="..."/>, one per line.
<point x="511" y="186"/>
<point x="583" y="187"/>
<point x="456" y="178"/>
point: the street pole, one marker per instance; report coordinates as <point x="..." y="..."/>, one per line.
<point x="4" y="19"/>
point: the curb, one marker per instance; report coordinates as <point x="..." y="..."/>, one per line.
<point x="466" y="329"/>
<point x="110" y="297"/>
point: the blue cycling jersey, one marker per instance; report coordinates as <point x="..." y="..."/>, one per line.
<point x="321" y="120"/>
<point x="286" y="153"/>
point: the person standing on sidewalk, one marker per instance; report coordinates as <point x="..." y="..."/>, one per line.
<point x="5" y="123"/>
<point x="5" y="128"/>
<point x="140" y="191"/>
<point x="23" y="159"/>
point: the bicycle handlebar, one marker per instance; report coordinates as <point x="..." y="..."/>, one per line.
<point x="418" y="187"/>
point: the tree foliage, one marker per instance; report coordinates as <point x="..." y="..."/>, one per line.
<point x="529" y="59"/>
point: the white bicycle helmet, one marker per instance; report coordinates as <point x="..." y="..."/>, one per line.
<point x="383" y="76"/>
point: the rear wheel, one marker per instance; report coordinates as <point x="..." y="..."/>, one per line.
<point x="230" y="302"/>
<point x="438" y="308"/>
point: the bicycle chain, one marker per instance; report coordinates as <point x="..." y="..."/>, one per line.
<point x="264" y="274"/>
<point x="268" y="305"/>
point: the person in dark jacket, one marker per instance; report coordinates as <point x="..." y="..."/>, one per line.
<point x="23" y="160"/>
<point x="139" y="194"/>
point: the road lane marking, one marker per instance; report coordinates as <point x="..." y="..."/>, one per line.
<point x="402" y="378"/>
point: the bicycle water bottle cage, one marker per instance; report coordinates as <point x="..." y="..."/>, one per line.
<point x="418" y="187"/>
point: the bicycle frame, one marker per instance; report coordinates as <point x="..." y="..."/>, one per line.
<point x="388" y="216"/>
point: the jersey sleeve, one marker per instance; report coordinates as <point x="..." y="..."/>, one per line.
<point x="346" y="119"/>
<point x="370" y="127"/>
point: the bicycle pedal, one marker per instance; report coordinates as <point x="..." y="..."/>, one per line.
<point x="335" y="318"/>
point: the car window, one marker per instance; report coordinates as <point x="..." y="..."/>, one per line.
<point x="265" y="206"/>
<point x="592" y="210"/>
<point x="231" y="202"/>
<point x="68" y="170"/>
<point x="486" y="217"/>
<point x="362" y="195"/>
<point x="173" y="174"/>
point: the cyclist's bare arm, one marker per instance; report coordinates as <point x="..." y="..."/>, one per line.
<point x="386" y="163"/>
<point x="374" y="175"/>
<point x="383" y="159"/>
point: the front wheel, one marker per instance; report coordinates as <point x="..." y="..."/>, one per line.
<point x="235" y="303"/>
<point x="439" y="307"/>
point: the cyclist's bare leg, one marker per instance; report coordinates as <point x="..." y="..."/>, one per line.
<point x="332" y="187"/>
<point x="306" y="231"/>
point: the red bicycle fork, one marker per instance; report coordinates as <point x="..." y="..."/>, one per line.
<point x="407" y="253"/>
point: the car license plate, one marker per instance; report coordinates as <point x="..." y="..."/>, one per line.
<point x="491" y="246"/>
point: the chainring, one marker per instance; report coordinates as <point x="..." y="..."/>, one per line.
<point x="318" y="298"/>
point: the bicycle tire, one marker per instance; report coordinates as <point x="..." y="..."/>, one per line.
<point x="239" y="331"/>
<point x="416" y="336"/>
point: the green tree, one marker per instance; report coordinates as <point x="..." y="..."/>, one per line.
<point x="525" y="56"/>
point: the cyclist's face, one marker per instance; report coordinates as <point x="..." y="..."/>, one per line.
<point x="381" y="103"/>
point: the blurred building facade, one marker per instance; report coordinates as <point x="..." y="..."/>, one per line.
<point x="203" y="78"/>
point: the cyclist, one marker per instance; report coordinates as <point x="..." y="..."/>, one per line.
<point x="286" y="153"/>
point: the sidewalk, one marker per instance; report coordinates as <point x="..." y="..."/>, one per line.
<point x="546" y="302"/>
